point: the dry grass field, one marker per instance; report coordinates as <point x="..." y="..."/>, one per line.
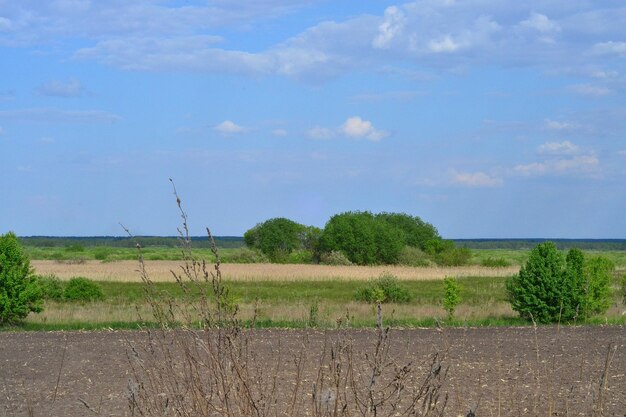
<point x="160" y="271"/>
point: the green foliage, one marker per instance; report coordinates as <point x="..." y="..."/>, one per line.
<point x="623" y="289"/>
<point x="276" y="238"/>
<point x="82" y="289"/>
<point x="19" y="291"/>
<point x="491" y="262"/>
<point x="102" y="253"/>
<point x="598" y="273"/>
<point x="51" y="287"/>
<point x="452" y="295"/>
<point x="552" y="288"/>
<point x="335" y="257"/>
<point x="75" y="247"/>
<point x="415" y="232"/>
<point x="363" y="239"/>
<point x="244" y="256"/>
<point x="384" y="289"/>
<point x="444" y="253"/>
<point x="412" y="256"/>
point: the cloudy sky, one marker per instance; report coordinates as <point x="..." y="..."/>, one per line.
<point x="487" y="118"/>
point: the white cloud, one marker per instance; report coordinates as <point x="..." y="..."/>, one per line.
<point x="540" y="23"/>
<point x="559" y="148"/>
<point x="321" y="133"/>
<point x="445" y="44"/>
<point x="390" y="27"/>
<point x="589" y="90"/>
<point x="475" y="179"/>
<point x="584" y="164"/>
<point x="357" y="128"/>
<point x="279" y="132"/>
<point x="227" y="127"/>
<point x="72" y="88"/>
<point x="610" y="48"/>
<point x="556" y="125"/>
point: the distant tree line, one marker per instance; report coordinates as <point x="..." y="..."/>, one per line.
<point x="223" y="242"/>
<point x="356" y="237"/>
<point x="561" y="244"/>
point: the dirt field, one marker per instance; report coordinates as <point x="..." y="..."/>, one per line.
<point x="500" y="370"/>
<point x="161" y="271"/>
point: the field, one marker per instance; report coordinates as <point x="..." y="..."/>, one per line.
<point x="506" y="371"/>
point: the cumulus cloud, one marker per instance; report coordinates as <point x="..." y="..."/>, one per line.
<point x="557" y="125"/>
<point x="444" y="44"/>
<point x="610" y="48"/>
<point x="392" y="25"/>
<point x="56" y="88"/>
<point x="540" y="23"/>
<point x="581" y="165"/>
<point x="355" y="127"/>
<point x="559" y="148"/>
<point x="589" y="90"/>
<point x="321" y="133"/>
<point x="475" y="179"/>
<point x="228" y="128"/>
<point x="279" y="132"/>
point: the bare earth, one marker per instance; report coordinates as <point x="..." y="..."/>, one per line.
<point x="498" y="369"/>
<point x="161" y="271"/>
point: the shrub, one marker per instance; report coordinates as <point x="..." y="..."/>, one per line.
<point x="335" y="257"/>
<point x="415" y="232"/>
<point x="276" y="238"/>
<point x="624" y="289"/>
<point x="51" y="287"/>
<point x="411" y="256"/>
<point x="384" y="289"/>
<point x="75" y="247"/>
<point x="19" y="291"/>
<point x="452" y="295"/>
<point x="362" y="238"/>
<point x="83" y="289"/>
<point x="495" y="262"/>
<point x="245" y="256"/>
<point x="550" y="288"/>
<point x="102" y="254"/>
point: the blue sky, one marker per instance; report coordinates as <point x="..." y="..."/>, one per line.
<point x="486" y="118"/>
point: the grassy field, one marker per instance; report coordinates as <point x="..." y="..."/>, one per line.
<point x="301" y="303"/>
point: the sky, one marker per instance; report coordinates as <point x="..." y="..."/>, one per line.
<point x="486" y="118"/>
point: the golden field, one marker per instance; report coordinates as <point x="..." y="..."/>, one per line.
<point x="161" y="271"/>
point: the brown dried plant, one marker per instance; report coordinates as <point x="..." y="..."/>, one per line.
<point x="201" y="360"/>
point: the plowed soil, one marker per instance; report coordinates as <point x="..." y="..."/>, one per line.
<point x="497" y="371"/>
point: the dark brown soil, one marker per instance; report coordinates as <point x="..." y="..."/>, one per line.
<point x="501" y="371"/>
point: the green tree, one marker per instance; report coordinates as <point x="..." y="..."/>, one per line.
<point x="537" y="291"/>
<point x="363" y="238"/>
<point x="415" y="232"/>
<point x="276" y="238"/>
<point x="19" y="291"/>
<point x="550" y="287"/>
<point x="452" y="295"/>
<point x="598" y="274"/>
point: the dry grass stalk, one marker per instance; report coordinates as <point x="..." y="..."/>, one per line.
<point x="206" y="364"/>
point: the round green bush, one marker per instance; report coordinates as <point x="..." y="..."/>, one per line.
<point x="51" y="287"/>
<point x="384" y="289"/>
<point x="83" y="289"/>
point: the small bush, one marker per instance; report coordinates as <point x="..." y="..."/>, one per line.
<point x="453" y="257"/>
<point x="51" y="287"/>
<point x="495" y="262"/>
<point x="335" y="257"/>
<point x="76" y="247"/>
<point x="245" y="256"/>
<point x="83" y="289"/>
<point x="412" y="256"/>
<point x="624" y="289"/>
<point x="452" y="295"/>
<point x="102" y="254"/>
<point x="384" y="289"/>
<point x="300" y="257"/>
